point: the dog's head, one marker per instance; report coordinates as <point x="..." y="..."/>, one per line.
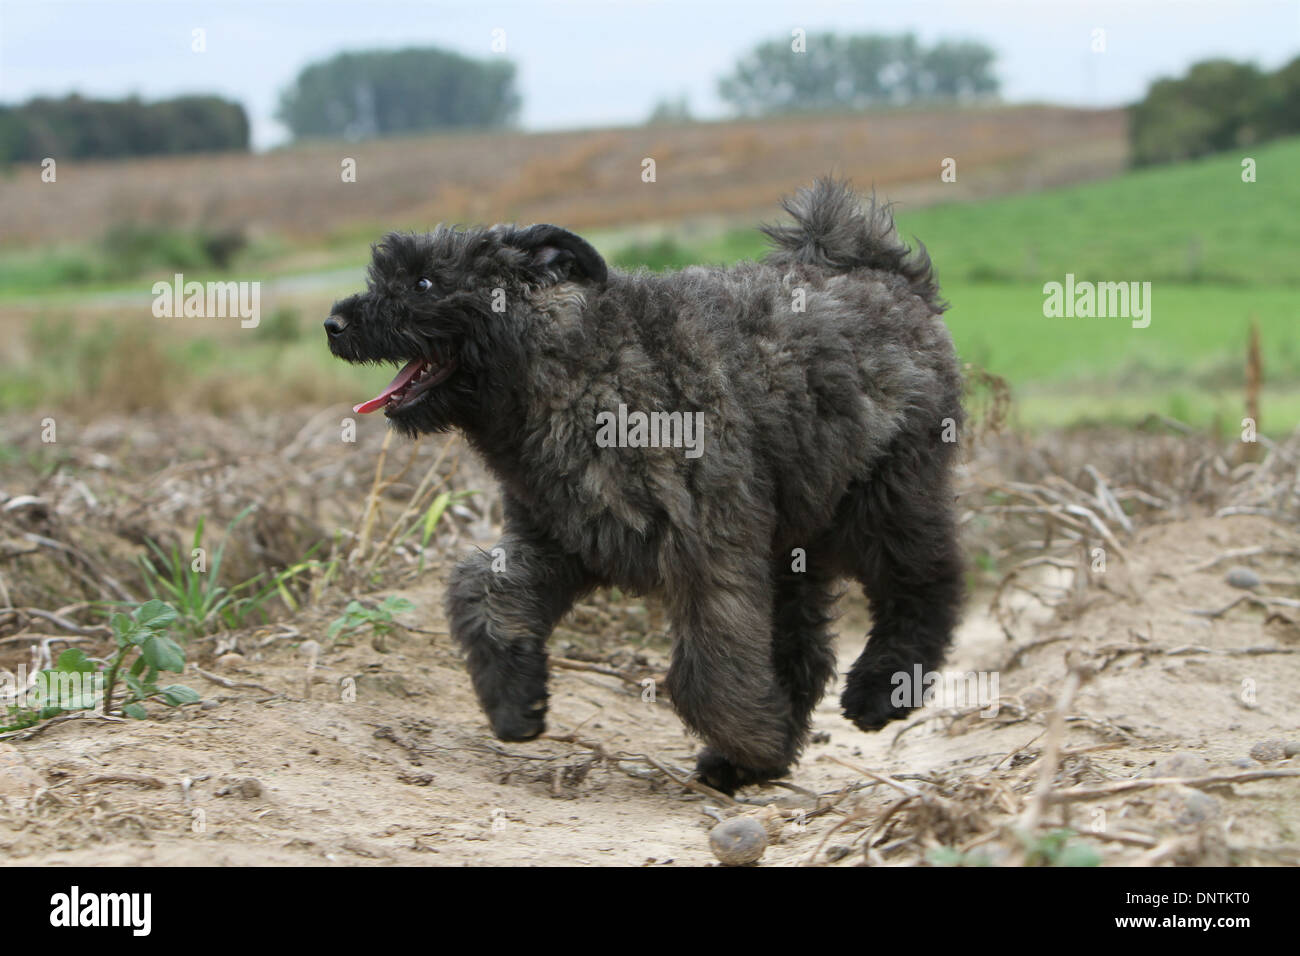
<point x="453" y="309"/>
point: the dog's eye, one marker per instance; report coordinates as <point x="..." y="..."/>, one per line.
<point x="424" y="285"/>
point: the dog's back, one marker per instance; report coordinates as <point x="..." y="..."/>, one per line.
<point x="828" y="351"/>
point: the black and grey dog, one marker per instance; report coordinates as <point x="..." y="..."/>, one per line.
<point x="732" y="439"/>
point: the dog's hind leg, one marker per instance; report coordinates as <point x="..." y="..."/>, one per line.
<point x="502" y="606"/>
<point x="723" y="681"/>
<point x="898" y="535"/>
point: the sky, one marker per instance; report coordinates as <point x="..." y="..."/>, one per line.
<point x="585" y="63"/>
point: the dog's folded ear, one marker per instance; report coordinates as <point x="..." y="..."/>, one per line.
<point x="559" y="255"/>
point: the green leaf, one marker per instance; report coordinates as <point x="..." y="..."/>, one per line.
<point x="944" y="856"/>
<point x="397" y="605"/>
<point x="75" y="661"/>
<point x="433" y="516"/>
<point x="177" y="694"/>
<point x="134" y="684"/>
<point x="123" y="627"/>
<point x="1078" y="854"/>
<point x="155" y="614"/>
<point x="135" y="710"/>
<point x="163" y="653"/>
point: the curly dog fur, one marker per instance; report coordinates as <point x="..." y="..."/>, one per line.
<point x="830" y="396"/>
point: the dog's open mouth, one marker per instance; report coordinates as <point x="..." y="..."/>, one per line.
<point x="415" y="379"/>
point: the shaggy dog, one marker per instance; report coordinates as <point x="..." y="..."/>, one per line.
<point x="734" y="440"/>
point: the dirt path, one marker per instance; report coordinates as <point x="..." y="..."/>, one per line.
<point x="407" y="773"/>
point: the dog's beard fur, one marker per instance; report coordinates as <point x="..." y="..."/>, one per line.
<point x="825" y="432"/>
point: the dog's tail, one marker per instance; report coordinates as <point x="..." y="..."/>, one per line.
<point x="832" y="231"/>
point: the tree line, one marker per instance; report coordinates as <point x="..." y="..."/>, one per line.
<point x="80" y="128"/>
<point x="383" y="93"/>
<point x="828" y="71"/>
<point x="1219" y="105"/>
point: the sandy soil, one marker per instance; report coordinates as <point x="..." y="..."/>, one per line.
<point x="408" y="773"/>
<point x="385" y="758"/>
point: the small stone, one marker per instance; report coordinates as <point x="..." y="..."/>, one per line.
<point x="1242" y="577"/>
<point x="821" y="737"/>
<point x="209" y="704"/>
<point x="1181" y="765"/>
<point x="1244" y="763"/>
<point x="1268" y="751"/>
<point x="838" y="851"/>
<point x="738" y="841"/>
<point x="1036" y="699"/>
<point x="1195" y="808"/>
<point x="17" y="780"/>
<point x="250" y="788"/>
<point x="233" y="660"/>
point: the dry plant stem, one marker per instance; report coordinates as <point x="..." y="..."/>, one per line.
<point x="1146" y="783"/>
<point x="1235" y="554"/>
<point x="44" y="639"/>
<point x="94" y="630"/>
<point x="229" y="684"/>
<point x="1051" y="756"/>
<point x="1264" y="602"/>
<point x="565" y="664"/>
<point x="372" y="500"/>
<point x="143" y="780"/>
<point x="1106" y="498"/>
<point x="30" y="732"/>
<point x="903" y="788"/>
<point x="106" y="583"/>
<point x="425" y="487"/>
<point x="812" y="857"/>
<point x="619" y="756"/>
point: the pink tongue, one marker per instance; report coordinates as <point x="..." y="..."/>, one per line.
<point x="403" y="378"/>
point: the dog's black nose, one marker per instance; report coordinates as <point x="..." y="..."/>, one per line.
<point x="335" y="326"/>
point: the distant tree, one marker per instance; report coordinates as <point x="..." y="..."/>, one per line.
<point x="852" y="72"/>
<point x="79" y="128"/>
<point x="959" y="71"/>
<point x="1282" y="113"/>
<point x="380" y="93"/>
<point x="1218" y="105"/>
<point x="670" y="110"/>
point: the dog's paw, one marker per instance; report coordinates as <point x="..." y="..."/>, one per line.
<point x="716" y="771"/>
<point x="511" y="722"/>
<point x="510" y="682"/>
<point x="868" y="702"/>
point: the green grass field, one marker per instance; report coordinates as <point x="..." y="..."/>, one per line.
<point x="1218" y="252"/>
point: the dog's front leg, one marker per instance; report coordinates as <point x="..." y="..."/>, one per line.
<point x="502" y="606"/>
<point x="723" y="682"/>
